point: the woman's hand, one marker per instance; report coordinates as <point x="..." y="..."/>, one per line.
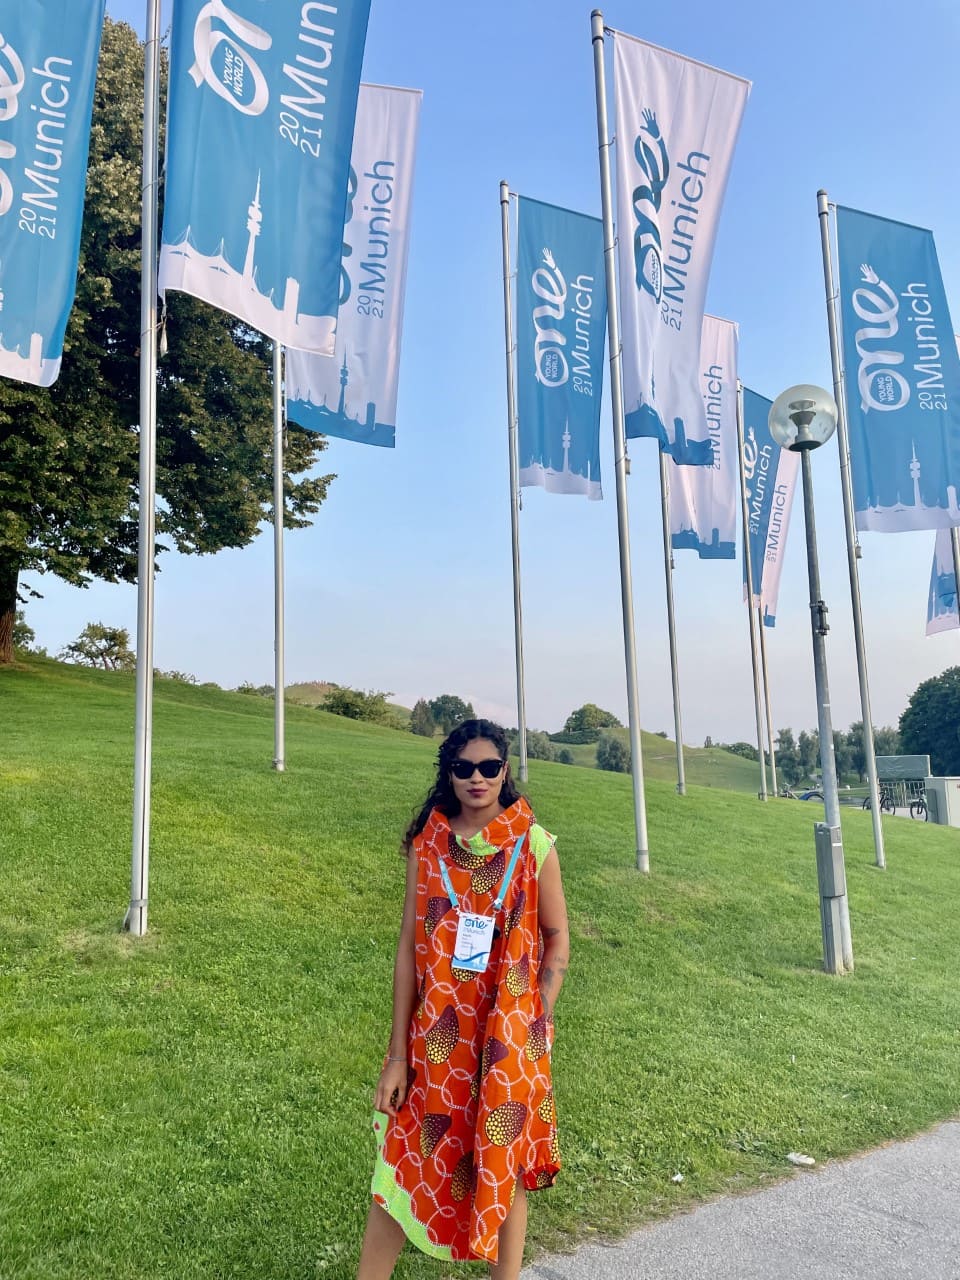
<point x="391" y="1088"/>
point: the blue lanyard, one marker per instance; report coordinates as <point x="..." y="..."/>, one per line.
<point x="504" y="883"/>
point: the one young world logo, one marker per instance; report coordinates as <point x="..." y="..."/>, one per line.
<point x="650" y="149"/>
<point x="552" y="367"/>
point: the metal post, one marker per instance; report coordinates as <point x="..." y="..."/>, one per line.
<point x="748" y="562"/>
<point x="514" y="478"/>
<point x="955" y="544"/>
<point x="765" y="674"/>
<point x="668" y="567"/>
<point x="136" y="917"/>
<point x="833" y="898"/>
<point x="619" y="445"/>
<point x="853" y="547"/>
<point x="279" y="680"/>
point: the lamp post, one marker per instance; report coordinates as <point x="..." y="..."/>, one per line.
<point x="803" y="418"/>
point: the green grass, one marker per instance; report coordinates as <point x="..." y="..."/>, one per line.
<point x="196" y="1104"/>
<point x="704" y="766"/>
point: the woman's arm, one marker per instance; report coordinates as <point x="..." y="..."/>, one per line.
<point x="392" y="1086"/>
<point x="555" y="933"/>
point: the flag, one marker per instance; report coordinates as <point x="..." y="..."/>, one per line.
<point x="48" y="68"/>
<point x="703" y="500"/>
<point x="261" y="113"/>
<point x="561" y="330"/>
<point x="942" y="611"/>
<point x="354" y="395"/>
<point x="677" y="125"/>
<point x="770" y="474"/>
<point x="901" y="376"/>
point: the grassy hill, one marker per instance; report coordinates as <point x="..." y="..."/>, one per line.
<point x="197" y="1103"/>
<point x="704" y="766"/>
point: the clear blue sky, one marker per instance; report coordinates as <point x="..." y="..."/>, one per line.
<point x="403" y="583"/>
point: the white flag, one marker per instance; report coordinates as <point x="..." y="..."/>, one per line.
<point x="703" y="500"/>
<point x="354" y="395"/>
<point x="677" y="125"/>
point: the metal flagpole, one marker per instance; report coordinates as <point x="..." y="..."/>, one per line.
<point x="955" y="544"/>
<point x="136" y="917"/>
<point x="279" y="683"/>
<point x="671" y="618"/>
<point x="619" y="445"/>
<point x="765" y="673"/>
<point x="748" y="562"/>
<point x="853" y="546"/>
<point x="514" y="478"/>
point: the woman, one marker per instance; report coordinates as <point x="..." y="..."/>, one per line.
<point x="467" y="1121"/>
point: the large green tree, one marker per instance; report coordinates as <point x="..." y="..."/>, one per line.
<point x="588" y="717"/>
<point x="931" y="723"/>
<point x="69" y="455"/>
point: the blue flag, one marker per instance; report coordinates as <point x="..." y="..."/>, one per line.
<point x="48" y="68"/>
<point x="262" y="106"/>
<point x="770" y="474"/>
<point x="942" y="609"/>
<point x="901" y="376"/>
<point x="561" y="328"/>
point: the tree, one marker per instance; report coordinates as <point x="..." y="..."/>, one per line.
<point x="565" y="756"/>
<point x="590" y="716"/>
<point x="745" y="749"/>
<point x="613" y="754"/>
<point x="24" y="635"/>
<point x="808" y="752"/>
<point x="69" y="455"/>
<point x="357" y="705"/>
<point x="539" y="746"/>
<point x="707" y="742"/>
<point x="788" y="758"/>
<point x="101" y="646"/>
<point x="886" y="741"/>
<point x="448" y="711"/>
<point x="930" y="725"/>
<point x="856" y="749"/>
<point x="421" y="719"/>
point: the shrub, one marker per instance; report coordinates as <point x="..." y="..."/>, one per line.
<point x="357" y="705"/>
<point x="539" y="746"/>
<point x="613" y="754"/>
<point x="421" y="719"/>
<point x="564" y="756"/>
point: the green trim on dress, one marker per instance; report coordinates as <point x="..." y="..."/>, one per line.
<point x="539" y="840"/>
<point x="396" y="1201"/>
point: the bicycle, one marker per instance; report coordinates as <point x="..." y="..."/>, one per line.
<point x="886" y="802"/>
<point x="918" y="808"/>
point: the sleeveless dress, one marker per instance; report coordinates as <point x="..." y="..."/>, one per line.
<point x="479" y="1112"/>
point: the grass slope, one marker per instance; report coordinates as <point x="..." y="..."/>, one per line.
<point x="197" y="1104"/>
<point x="703" y="766"/>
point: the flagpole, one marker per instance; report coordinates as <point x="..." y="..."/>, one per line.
<point x="279" y="682"/>
<point x="748" y="563"/>
<point x="765" y="673"/>
<point x="136" y="917"/>
<point x="668" y="567"/>
<point x="955" y="545"/>
<point x="619" y="446"/>
<point x="514" y="480"/>
<point x="853" y="546"/>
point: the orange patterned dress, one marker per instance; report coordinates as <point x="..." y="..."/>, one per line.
<point x="480" y="1112"/>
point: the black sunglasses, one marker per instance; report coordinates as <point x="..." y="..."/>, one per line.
<point x="464" y="769"/>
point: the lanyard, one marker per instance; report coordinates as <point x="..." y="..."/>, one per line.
<point x="504" y="883"/>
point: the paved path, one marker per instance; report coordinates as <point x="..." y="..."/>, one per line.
<point x="893" y="1214"/>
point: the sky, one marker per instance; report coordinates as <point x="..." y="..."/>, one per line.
<point x="403" y="583"/>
